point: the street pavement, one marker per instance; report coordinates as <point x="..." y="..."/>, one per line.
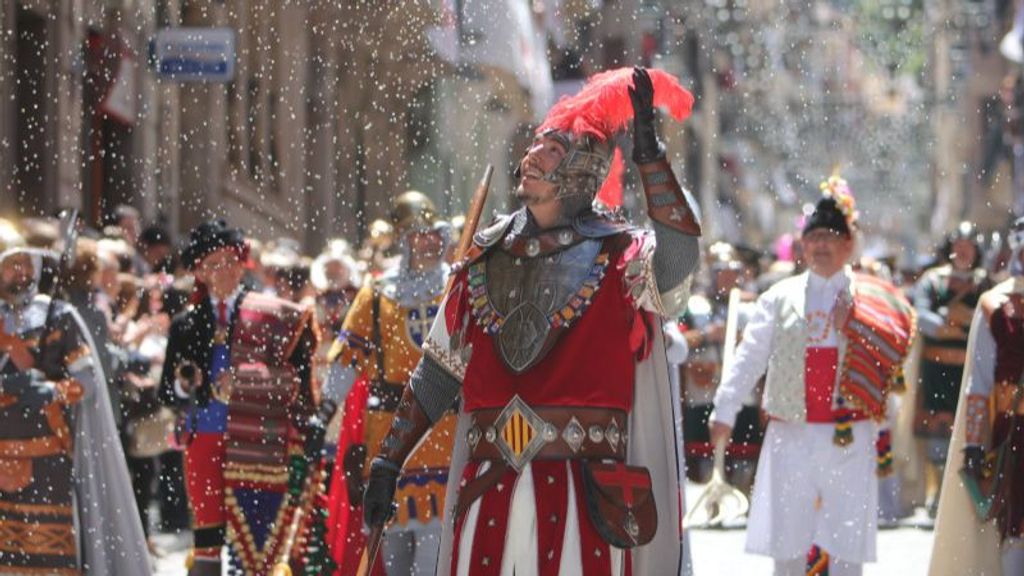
<point x="902" y="551"/>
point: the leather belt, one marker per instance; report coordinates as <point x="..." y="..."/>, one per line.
<point x="387" y="394"/>
<point x="942" y="355"/>
<point x="519" y="433"/>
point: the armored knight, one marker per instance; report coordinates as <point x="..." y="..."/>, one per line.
<point x="980" y="524"/>
<point x="565" y="453"/>
<point x="371" y="361"/>
<point x="66" y="500"/>
<point x="945" y="298"/>
<point x="704" y="326"/>
<point x="238" y="366"/>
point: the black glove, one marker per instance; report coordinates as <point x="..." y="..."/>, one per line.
<point x="646" y="147"/>
<point x="974" y="461"/>
<point x="313" y="443"/>
<point x="31" y="388"/>
<point x="378" y="503"/>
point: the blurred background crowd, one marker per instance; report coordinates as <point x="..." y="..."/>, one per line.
<point x="127" y="283"/>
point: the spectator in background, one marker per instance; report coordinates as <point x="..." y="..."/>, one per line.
<point x="40" y="232"/>
<point x="83" y="292"/>
<point x="128" y="219"/>
<point x="157" y="250"/>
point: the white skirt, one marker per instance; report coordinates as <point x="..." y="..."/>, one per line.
<point x="810" y="491"/>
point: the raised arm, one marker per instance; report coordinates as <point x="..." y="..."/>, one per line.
<point x="671" y="209"/>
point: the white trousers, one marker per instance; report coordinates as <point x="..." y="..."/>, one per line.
<point x="810" y="491"/>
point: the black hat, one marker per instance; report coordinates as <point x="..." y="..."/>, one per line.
<point x="827" y="215"/>
<point x="154" y="236"/>
<point x="209" y="237"/>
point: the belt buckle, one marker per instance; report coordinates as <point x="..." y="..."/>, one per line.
<point x="521" y="433"/>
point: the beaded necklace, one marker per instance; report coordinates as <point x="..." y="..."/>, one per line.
<point x="816" y="316"/>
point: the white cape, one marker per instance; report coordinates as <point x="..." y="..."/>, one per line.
<point x="111" y="539"/>
<point x="653" y="442"/>
<point x="964" y="546"/>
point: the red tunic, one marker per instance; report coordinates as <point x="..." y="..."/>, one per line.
<point x="593" y="364"/>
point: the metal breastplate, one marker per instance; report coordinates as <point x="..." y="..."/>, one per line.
<point x="527" y="292"/>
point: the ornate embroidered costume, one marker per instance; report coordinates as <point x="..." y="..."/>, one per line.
<point x="701" y="374"/>
<point x="66" y="501"/>
<point x="565" y="454"/>
<point x="945" y="299"/>
<point x="240" y="370"/>
<point x="831" y="347"/>
<point x="372" y="359"/>
<point x="980" y="524"/>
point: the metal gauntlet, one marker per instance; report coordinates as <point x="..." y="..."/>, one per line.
<point x="667" y="204"/>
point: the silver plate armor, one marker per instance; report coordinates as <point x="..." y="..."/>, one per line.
<point x="527" y="291"/>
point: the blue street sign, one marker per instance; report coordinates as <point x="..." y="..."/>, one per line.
<point x="195" y="54"/>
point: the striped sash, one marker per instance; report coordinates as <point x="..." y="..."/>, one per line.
<point x="879" y="333"/>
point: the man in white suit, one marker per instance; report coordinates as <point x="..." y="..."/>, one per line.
<point x="816" y="483"/>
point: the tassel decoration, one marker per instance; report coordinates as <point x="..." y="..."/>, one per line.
<point x="817" y="561"/>
<point x="884" y="448"/>
<point x="844" y="425"/>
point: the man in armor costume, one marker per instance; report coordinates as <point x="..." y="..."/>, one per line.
<point x="66" y="500"/>
<point x="704" y="328"/>
<point x="565" y="458"/>
<point x="832" y="342"/>
<point x="945" y="298"/>
<point x="371" y="361"/>
<point x="980" y="524"/>
<point x="238" y="365"/>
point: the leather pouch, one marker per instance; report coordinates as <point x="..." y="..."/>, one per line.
<point x="620" y="503"/>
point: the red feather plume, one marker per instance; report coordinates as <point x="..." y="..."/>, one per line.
<point x="610" y="193"/>
<point x="602" y="107"/>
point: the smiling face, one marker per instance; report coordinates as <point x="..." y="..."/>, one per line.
<point x="426" y="248"/>
<point x="541" y="159"/>
<point x="826" y="251"/>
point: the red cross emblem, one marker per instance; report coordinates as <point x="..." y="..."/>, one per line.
<point x="625" y="479"/>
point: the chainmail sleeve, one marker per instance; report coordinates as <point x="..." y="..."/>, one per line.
<point x="434" y="387"/>
<point x="676" y="257"/>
